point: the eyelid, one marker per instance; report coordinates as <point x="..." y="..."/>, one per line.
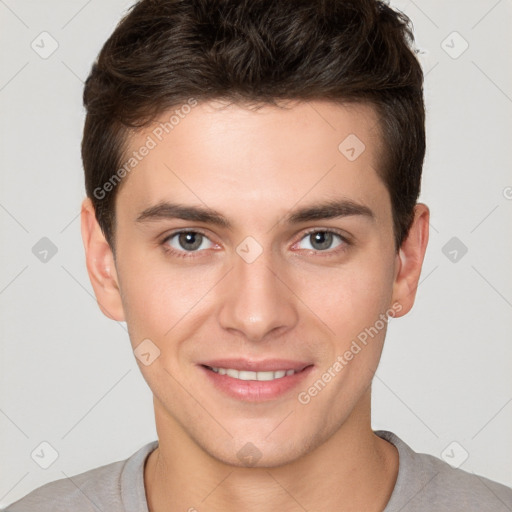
<point x="346" y="239"/>
<point x="176" y="232"/>
<point x="183" y="230"/>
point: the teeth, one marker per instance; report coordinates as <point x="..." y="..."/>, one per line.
<point x="248" y="375"/>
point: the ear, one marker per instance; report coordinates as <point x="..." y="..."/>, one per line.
<point x="100" y="264"/>
<point x="409" y="260"/>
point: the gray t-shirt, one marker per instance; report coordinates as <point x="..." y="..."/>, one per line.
<point x="424" y="483"/>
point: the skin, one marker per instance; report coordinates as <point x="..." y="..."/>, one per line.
<point x="295" y="301"/>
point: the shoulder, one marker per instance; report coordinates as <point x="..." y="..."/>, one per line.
<point x="101" y="488"/>
<point x="78" y="493"/>
<point x="427" y="483"/>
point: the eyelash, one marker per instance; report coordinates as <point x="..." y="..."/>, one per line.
<point x="181" y="254"/>
<point x="329" y="252"/>
<point x="191" y="254"/>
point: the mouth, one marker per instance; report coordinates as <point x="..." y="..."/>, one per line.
<point x="252" y="375"/>
<point x="255" y="381"/>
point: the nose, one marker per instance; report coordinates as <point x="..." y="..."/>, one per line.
<point x="257" y="300"/>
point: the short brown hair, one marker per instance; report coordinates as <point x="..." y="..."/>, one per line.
<point x="164" y="52"/>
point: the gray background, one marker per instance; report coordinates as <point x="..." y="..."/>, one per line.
<point x="67" y="374"/>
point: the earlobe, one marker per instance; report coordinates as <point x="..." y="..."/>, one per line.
<point x="100" y="264"/>
<point x="409" y="260"/>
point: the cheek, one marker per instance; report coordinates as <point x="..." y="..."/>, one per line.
<point x="157" y="297"/>
<point x="349" y="299"/>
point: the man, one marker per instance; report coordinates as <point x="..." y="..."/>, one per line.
<point x="252" y="171"/>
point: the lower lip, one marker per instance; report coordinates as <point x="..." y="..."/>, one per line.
<point x="255" y="390"/>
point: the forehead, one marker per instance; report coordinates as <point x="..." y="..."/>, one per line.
<point x="259" y="158"/>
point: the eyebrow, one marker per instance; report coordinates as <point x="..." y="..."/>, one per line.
<point x="327" y="210"/>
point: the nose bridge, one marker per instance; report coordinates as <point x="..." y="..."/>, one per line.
<point x="256" y="300"/>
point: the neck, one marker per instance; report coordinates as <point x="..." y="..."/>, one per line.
<point x="353" y="470"/>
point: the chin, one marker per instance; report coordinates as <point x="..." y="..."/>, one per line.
<point x="261" y="451"/>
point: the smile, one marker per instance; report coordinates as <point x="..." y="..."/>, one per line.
<point x="252" y="381"/>
<point x="250" y="375"/>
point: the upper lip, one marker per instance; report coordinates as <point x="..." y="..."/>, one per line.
<point x="265" y="365"/>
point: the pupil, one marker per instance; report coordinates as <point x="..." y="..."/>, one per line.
<point x="190" y="241"/>
<point x="322" y="239"/>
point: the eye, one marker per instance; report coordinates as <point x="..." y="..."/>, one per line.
<point x="187" y="241"/>
<point x="322" y="240"/>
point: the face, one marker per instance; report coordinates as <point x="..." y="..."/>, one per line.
<point x="256" y="270"/>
